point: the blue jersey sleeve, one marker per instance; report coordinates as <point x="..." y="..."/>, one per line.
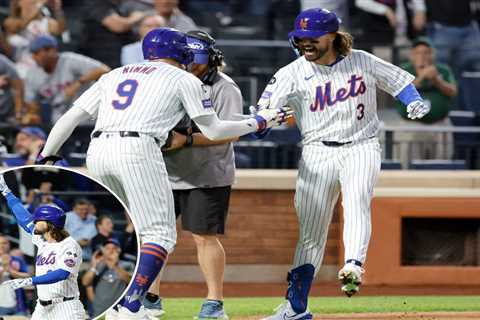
<point x="24" y="218"/>
<point x="51" y="277"/>
<point x="409" y="94"/>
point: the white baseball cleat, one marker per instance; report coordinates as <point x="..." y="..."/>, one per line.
<point x="125" y="314"/>
<point x="285" y="312"/>
<point x="111" y="314"/>
<point x="350" y="277"/>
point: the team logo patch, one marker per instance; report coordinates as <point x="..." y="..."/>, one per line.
<point x="70" y="263"/>
<point x="266" y="95"/>
<point x="207" y="103"/>
<point x="272" y="81"/>
<point x="304" y="23"/>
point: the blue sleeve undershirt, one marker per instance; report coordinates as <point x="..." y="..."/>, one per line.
<point x="409" y="94"/>
<point x="51" y="277"/>
<point x="24" y="218"/>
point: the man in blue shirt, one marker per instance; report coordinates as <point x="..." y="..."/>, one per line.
<point x="80" y="225"/>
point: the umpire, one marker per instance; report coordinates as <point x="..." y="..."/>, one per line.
<point x="202" y="171"/>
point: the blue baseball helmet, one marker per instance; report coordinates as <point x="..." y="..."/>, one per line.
<point x="314" y="23"/>
<point x="164" y="43"/>
<point x="50" y="213"/>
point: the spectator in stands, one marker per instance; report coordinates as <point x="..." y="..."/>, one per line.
<point x="107" y="277"/>
<point x="29" y="19"/>
<point x="80" y="224"/>
<point x="132" y="53"/>
<point x="175" y="18"/>
<point x="454" y="33"/>
<point x="382" y="32"/>
<point x="104" y="227"/>
<point x="129" y="6"/>
<point x="5" y="47"/>
<point x="129" y="241"/>
<point x="61" y="77"/>
<point x="28" y="143"/>
<point x="11" y="91"/>
<point x="11" y="267"/>
<point x="436" y="84"/>
<point x="107" y="30"/>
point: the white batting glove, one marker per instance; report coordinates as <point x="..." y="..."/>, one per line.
<point x="417" y="109"/>
<point x="18" y="283"/>
<point x="268" y="118"/>
<point x="3" y="186"/>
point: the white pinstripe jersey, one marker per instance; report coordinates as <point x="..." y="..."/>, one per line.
<point x="149" y="97"/>
<point x="335" y="103"/>
<point x="66" y="255"/>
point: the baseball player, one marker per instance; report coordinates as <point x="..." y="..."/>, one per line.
<point x="136" y="106"/>
<point x="332" y="89"/>
<point x="57" y="262"/>
<point x="201" y="172"/>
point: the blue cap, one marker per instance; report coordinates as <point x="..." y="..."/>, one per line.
<point x="34" y="131"/>
<point x="199" y="49"/>
<point x="112" y="241"/>
<point x="314" y="23"/>
<point x="41" y="42"/>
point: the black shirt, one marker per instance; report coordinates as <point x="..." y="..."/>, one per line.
<point x="98" y="241"/>
<point x="449" y="12"/>
<point x="99" y="42"/>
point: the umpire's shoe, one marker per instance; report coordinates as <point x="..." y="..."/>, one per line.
<point x="212" y="309"/>
<point x="350" y="277"/>
<point x="286" y="312"/>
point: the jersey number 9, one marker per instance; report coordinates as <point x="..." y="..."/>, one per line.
<point x="125" y="91"/>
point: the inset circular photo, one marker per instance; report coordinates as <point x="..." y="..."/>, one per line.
<point x="68" y="248"/>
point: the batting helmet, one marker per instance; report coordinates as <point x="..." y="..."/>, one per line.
<point x="314" y="23"/>
<point x="50" y="213"/>
<point x="203" y="47"/>
<point x="164" y="43"/>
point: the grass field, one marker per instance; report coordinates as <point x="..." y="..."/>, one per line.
<point x="238" y="308"/>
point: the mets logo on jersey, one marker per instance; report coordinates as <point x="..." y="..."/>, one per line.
<point x="43" y="260"/>
<point x="207" y="103"/>
<point x="326" y="97"/>
<point x="304" y="23"/>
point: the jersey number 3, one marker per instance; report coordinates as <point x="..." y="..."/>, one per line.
<point x="360" y="111"/>
<point x="125" y="91"/>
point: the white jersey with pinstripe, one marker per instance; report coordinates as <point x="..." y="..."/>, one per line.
<point x="335" y="104"/>
<point x="148" y="98"/>
<point x="66" y="255"/>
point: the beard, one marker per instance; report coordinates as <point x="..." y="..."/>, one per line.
<point x="39" y="232"/>
<point x="314" y="54"/>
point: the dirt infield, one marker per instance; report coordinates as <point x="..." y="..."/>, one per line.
<point x="390" y="316"/>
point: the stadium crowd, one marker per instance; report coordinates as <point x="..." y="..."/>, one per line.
<point x="53" y="50"/>
<point x="98" y="223"/>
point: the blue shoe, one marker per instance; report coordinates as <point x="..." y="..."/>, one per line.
<point x="212" y="309"/>
<point x="154" y="309"/>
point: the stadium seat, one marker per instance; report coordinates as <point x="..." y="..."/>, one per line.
<point x="389" y="164"/>
<point x="468" y="91"/>
<point x="466" y="144"/>
<point x="438" y="165"/>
